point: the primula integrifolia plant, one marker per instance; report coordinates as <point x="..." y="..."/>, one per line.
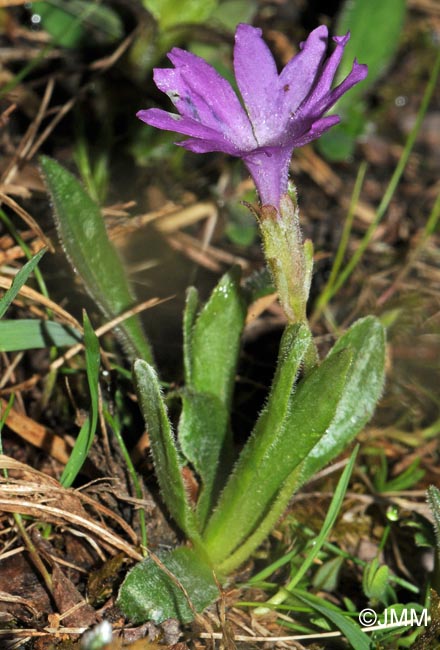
<point x="275" y="114"/>
<point x="314" y="409"/>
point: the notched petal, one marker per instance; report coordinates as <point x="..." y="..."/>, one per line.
<point x="300" y="74"/>
<point x="257" y="79"/>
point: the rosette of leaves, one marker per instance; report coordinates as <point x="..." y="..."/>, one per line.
<point x="308" y="419"/>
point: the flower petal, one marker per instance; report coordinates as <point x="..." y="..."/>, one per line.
<point x="187" y="126"/>
<point x="205" y="95"/>
<point x="329" y="70"/>
<point x="257" y="80"/>
<point x="317" y="128"/>
<point x="206" y="146"/>
<point x="298" y="77"/>
<point x="358" y="73"/>
<point x="322" y="97"/>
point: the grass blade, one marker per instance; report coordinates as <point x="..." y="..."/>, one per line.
<point x="19" y="281"/>
<point x="389" y="192"/>
<point x="332" y="514"/>
<point x="88" y="429"/>
<point x="351" y="630"/>
<point x="33" y="334"/>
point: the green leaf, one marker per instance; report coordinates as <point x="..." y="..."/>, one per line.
<point x="30" y="334"/>
<point x="83" y="235"/>
<point x="339" y="143"/>
<point x="19" y="281"/>
<point x="375" y="580"/>
<point x="216" y="339"/>
<point x="327" y="576"/>
<point x="365" y="380"/>
<point x="231" y="12"/>
<point x="189" y="318"/>
<point x="286" y="491"/>
<point x="202" y="431"/>
<point x="71" y="22"/>
<point x="292" y="422"/>
<point x="211" y="348"/>
<point x="170" y="13"/>
<point x="165" y="456"/>
<point x="86" y="435"/>
<point x="241" y="227"/>
<point x="349" y="628"/>
<point x="375" y="28"/>
<point x="258" y="284"/>
<point x="149" y="594"/>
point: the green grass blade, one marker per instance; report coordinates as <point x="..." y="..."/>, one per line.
<point x="332" y="514"/>
<point x="27" y="251"/>
<point x="116" y="429"/>
<point x="389" y="192"/>
<point x="19" y="281"/>
<point x="88" y="429"/>
<point x="351" y="630"/>
<point x="3" y="417"/>
<point x="326" y="293"/>
<point x="33" y="334"/>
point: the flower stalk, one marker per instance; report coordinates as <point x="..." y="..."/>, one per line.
<point x="290" y="259"/>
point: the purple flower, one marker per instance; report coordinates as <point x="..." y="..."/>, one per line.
<point x="279" y="111"/>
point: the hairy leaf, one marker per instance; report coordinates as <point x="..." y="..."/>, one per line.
<point x="216" y="339"/>
<point x="287" y="430"/>
<point x="83" y="235"/>
<point x="166" y="459"/>
<point x="211" y="349"/>
<point x="149" y="594"/>
<point x="365" y="380"/>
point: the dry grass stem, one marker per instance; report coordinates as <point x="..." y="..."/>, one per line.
<point x="54" y="504"/>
